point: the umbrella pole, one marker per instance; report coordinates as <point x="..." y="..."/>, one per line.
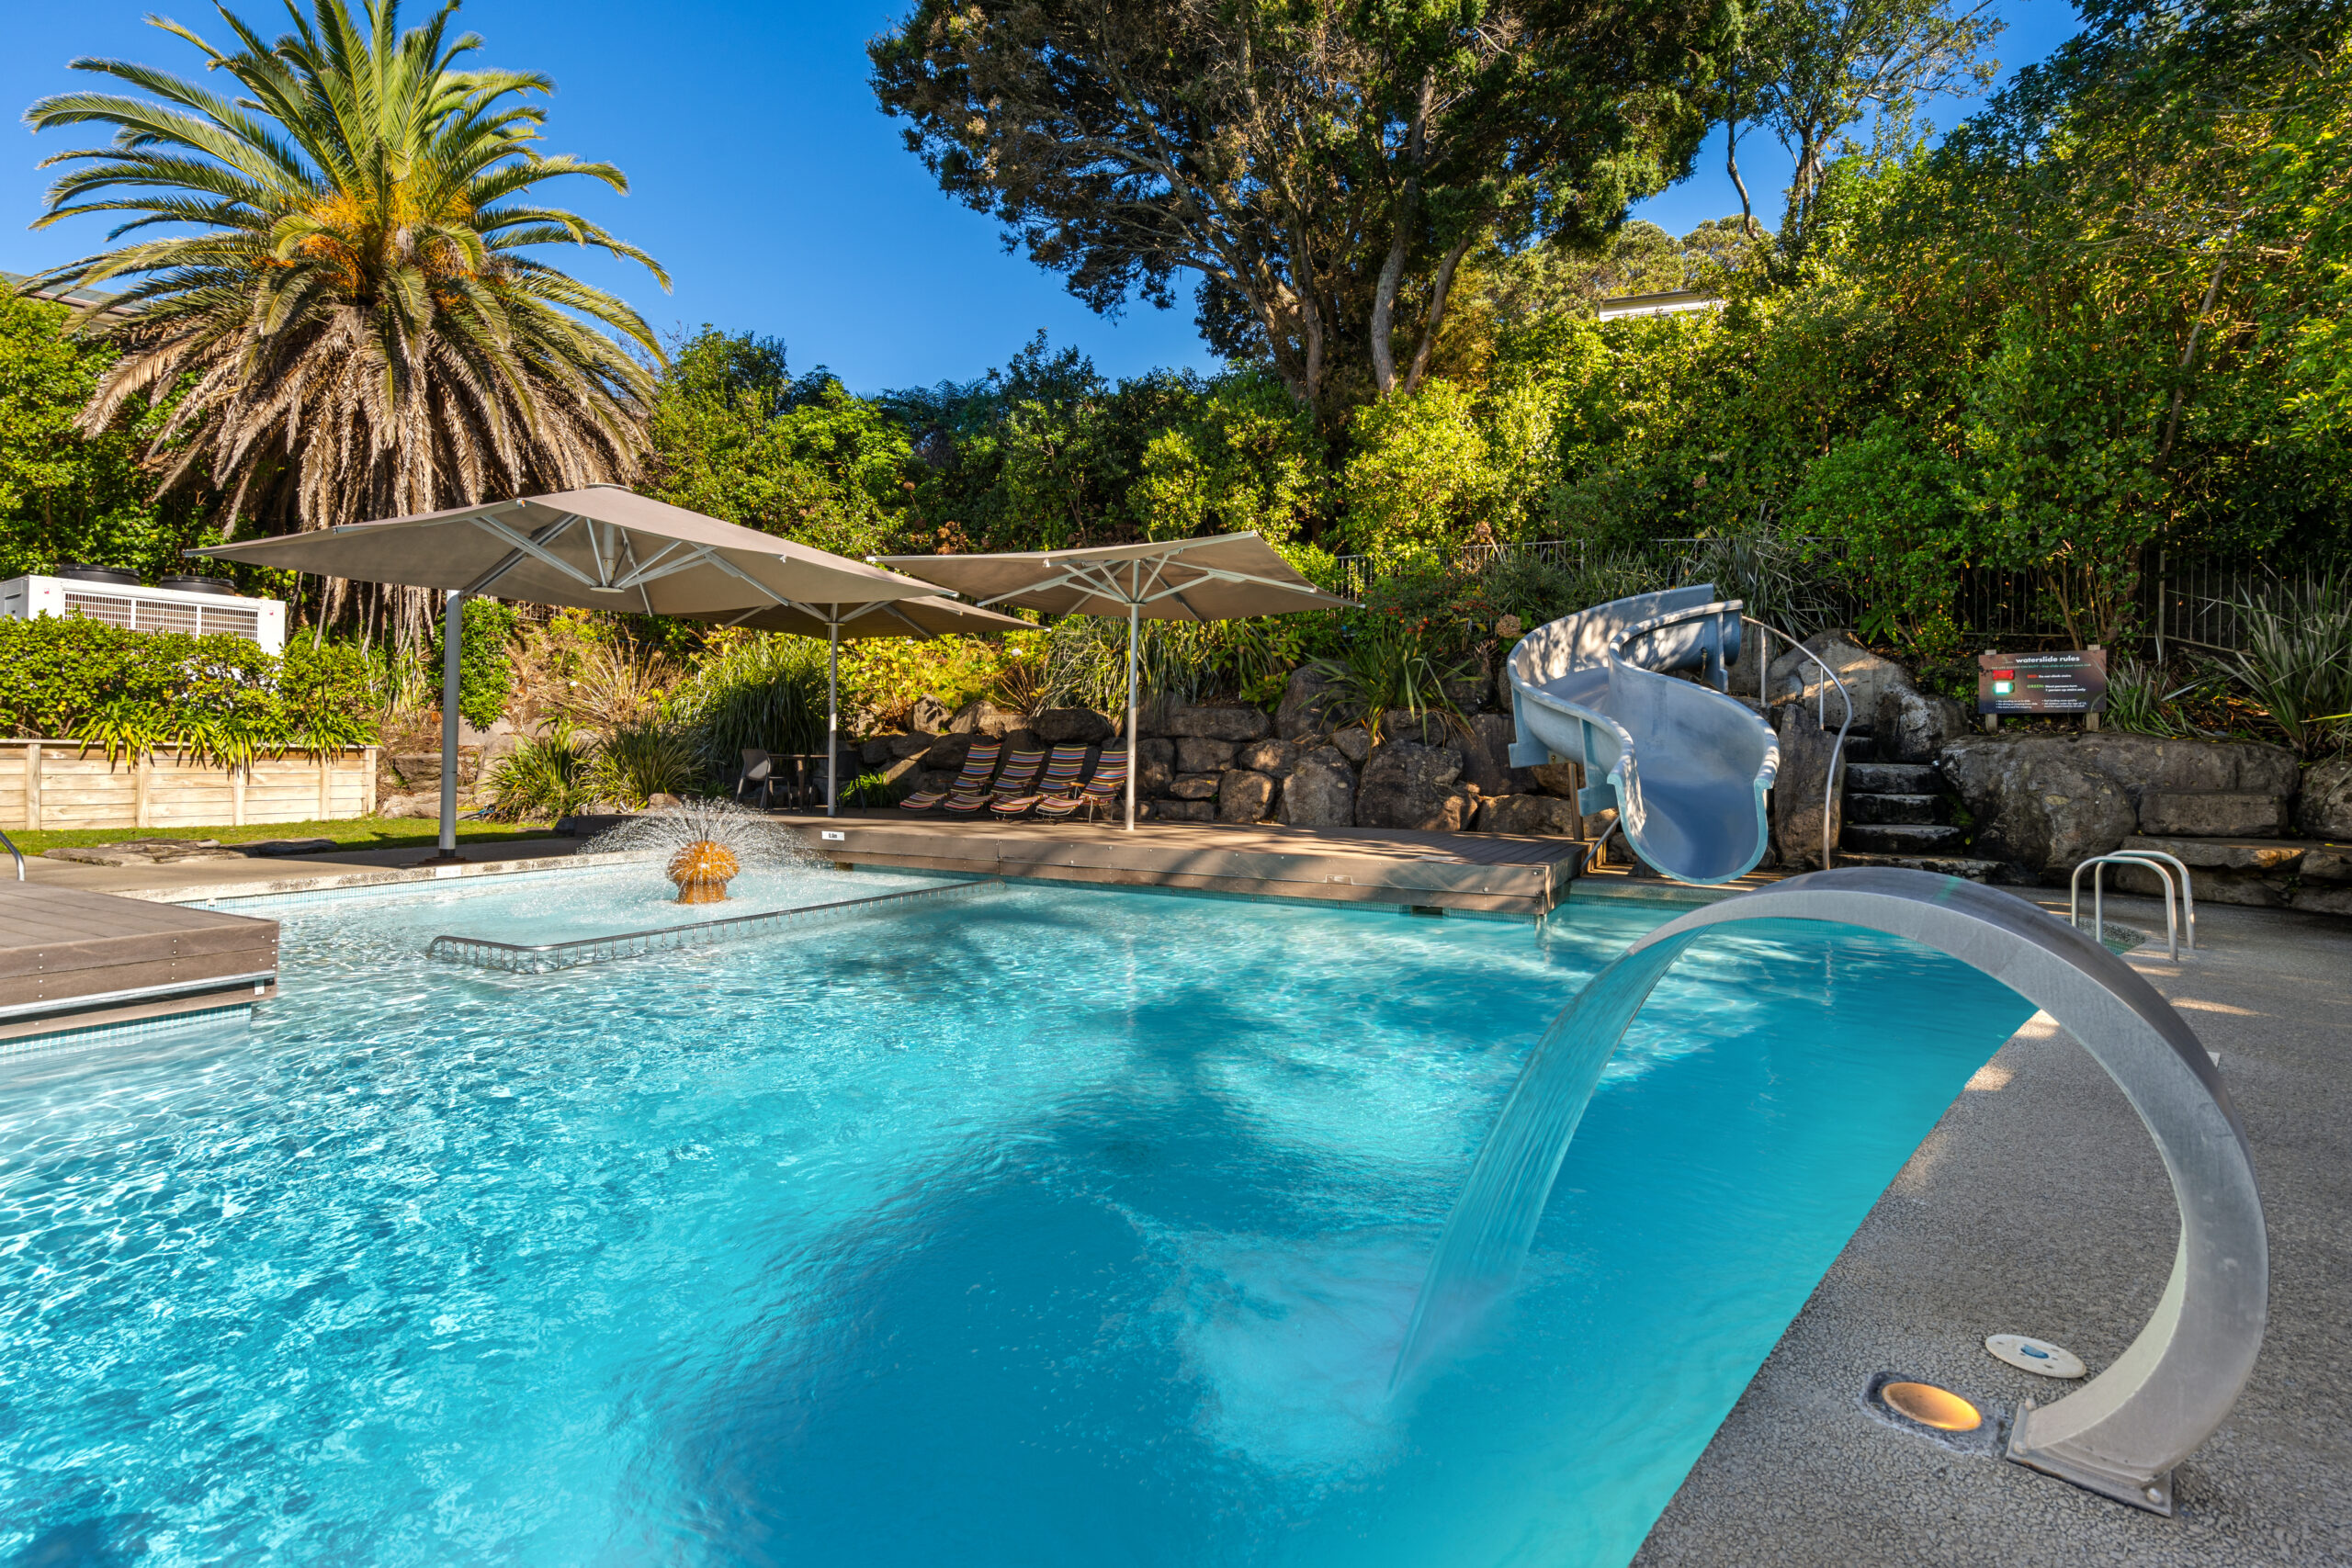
<point x="832" y="707"/>
<point x="1134" y="612"/>
<point x="452" y="627"/>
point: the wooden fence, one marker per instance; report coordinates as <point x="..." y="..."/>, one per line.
<point x="54" y="785"/>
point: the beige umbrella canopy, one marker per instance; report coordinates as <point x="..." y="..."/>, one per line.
<point x="601" y="547"/>
<point x="1228" y="577"/>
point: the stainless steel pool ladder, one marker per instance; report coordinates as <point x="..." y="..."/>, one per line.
<point x="15" y="851"/>
<point x="2156" y="861"/>
<point x="1821" y="716"/>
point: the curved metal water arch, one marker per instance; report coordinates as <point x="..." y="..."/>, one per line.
<point x="2121" y="1433"/>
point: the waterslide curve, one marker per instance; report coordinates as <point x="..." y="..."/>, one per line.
<point x="2121" y="1433"/>
<point x="1686" y="766"/>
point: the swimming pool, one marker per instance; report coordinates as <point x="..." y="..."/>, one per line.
<point x="1073" y="1226"/>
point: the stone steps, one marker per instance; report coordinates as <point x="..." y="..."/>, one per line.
<point x="1890" y="778"/>
<point x="1868" y="810"/>
<point x="1903" y="839"/>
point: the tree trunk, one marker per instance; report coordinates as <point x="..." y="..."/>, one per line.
<point x="1439" y="287"/>
<point x="1392" y="271"/>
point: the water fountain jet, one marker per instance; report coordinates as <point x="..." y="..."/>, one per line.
<point x="703" y="845"/>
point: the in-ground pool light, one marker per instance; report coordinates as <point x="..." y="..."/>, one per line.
<point x="1931" y="1407"/>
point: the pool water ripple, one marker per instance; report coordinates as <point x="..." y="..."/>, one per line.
<point x="1072" y="1227"/>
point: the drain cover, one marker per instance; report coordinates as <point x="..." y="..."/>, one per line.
<point x="2035" y="1355"/>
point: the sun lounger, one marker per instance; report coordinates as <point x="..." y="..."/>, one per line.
<point x="978" y="764"/>
<point x="1108" y="783"/>
<point x="1064" y="769"/>
<point x="1020" y="772"/>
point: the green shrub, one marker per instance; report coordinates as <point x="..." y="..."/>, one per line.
<point x="222" y="698"/>
<point x="548" y="776"/>
<point x="762" y="691"/>
<point x="2294" y="656"/>
<point x="637" y="761"/>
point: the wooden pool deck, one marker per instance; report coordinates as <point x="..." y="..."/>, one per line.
<point x="72" y="960"/>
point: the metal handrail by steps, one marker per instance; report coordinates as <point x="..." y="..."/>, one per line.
<point x="1821" y="715"/>
<point x="15" y="851"/>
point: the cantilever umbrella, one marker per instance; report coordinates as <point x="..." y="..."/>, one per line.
<point x="601" y="547"/>
<point x="924" y="616"/>
<point x="1228" y="577"/>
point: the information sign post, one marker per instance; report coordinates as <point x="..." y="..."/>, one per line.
<point x="2069" y="682"/>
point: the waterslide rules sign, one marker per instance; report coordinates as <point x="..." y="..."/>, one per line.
<point x="2041" y="683"/>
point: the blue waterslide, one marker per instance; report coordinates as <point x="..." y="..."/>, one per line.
<point x="1686" y="766"/>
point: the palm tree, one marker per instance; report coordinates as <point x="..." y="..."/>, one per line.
<point x="344" y="304"/>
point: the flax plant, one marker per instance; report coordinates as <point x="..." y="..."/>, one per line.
<point x="344" y="318"/>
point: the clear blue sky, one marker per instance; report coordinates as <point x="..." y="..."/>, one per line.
<point x="765" y="180"/>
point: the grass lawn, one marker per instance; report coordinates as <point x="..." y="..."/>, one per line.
<point x="352" y="832"/>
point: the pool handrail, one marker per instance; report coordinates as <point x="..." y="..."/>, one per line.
<point x="15" y="851"/>
<point x="2097" y="866"/>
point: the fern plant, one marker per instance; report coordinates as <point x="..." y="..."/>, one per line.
<point x="548" y="776"/>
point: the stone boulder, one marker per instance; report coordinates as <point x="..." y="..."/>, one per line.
<point x="914" y="743"/>
<point x="982" y="717"/>
<point x="1912" y="726"/>
<point x="1354" y="743"/>
<point x="1868" y="677"/>
<point x="1481" y="768"/>
<point x="899" y="774"/>
<point x="1300" y="714"/>
<point x="1183" y="810"/>
<point x="2038" y="801"/>
<point x="1073" y="726"/>
<point x="1320" y="791"/>
<point x="948" y="753"/>
<point x="1155" y="765"/>
<point x="1536" y="814"/>
<point x="1423" y="729"/>
<point x="1406" y="784"/>
<point x="2326" y="811"/>
<point x="1800" y="793"/>
<point x="1273" y="758"/>
<point x="1243" y="796"/>
<point x="2257" y="874"/>
<point x="1217" y="722"/>
<point x="1496" y="731"/>
<point x="929" y="714"/>
<point x="1196" y="754"/>
<point x="2142" y="763"/>
<point x="1193" y="786"/>
<point x="1563" y="779"/>
<point x="2212" y="813"/>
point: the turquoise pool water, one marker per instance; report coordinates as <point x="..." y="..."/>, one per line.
<point x="1069" y="1227"/>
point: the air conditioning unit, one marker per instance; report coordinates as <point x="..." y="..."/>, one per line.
<point x="203" y="606"/>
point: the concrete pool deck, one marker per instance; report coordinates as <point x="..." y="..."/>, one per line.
<point x="2038" y="1206"/>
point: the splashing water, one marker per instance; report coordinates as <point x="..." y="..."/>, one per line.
<point x="1493" y="1224"/>
<point x="661" y="836"/>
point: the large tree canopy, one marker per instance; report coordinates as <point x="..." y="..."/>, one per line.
<point x="1321" y="166"/>
<point x="345" y="283"/>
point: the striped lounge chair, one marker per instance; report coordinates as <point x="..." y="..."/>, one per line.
<point x="978" y="764"/>
<point x="1020" y="772"/>
<point x="1064" y="770"/>
<point x="1108" y="783"/>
